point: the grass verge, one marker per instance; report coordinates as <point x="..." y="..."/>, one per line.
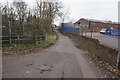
<point x="102" y="55"/>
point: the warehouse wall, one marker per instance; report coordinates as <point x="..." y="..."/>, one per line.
<point x="97" y="26"/>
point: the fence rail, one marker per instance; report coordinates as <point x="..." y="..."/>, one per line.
<point x="21" y="39"/>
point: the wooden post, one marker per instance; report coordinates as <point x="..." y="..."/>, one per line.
<point x="90" y="27"/>
<point x="118" y="57"/>
<point x="10" y="32"/>
<point x="9" y="23"/>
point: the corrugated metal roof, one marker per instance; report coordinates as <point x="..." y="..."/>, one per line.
<point x="102" y="21"/>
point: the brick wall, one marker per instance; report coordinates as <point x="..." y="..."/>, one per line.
<point x="97" y="26"/>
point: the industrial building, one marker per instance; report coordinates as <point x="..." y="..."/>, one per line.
<point x="95" y="25"/>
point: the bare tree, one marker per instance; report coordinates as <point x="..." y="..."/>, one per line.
<point x="6" y="19"/>
<point x="36" y="21"/>
<point x="20" y="8"/>
<point x="0" y="21"/>
<point x="48" y="9"/>
<point x="65" y="15"/>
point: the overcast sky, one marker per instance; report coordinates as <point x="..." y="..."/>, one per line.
<point x="92" y="9"/>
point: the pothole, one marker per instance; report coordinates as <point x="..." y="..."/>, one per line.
<point x="45" y="68"/>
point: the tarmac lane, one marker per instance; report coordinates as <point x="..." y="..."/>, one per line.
<point x="62" y="60"/>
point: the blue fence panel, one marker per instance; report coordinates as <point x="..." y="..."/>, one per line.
<point x="113" y="32"/>
<point x="118" y="33"/>
<point x="65" y="29"/>
<point x="108" y="32"/>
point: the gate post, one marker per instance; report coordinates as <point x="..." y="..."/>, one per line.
<point x="118" y="57"/>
